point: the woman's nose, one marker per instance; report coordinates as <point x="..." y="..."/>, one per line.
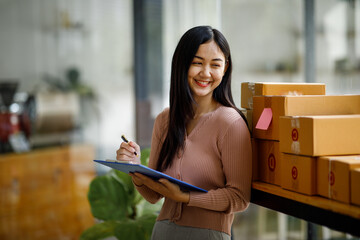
<point x="206" y="71"/>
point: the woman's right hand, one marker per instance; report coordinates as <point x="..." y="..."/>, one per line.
<point x="129" y="152"/>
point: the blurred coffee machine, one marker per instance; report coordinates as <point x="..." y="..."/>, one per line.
<point x="42" y="119"/>
<point x="54" y="118"/>
<point x="12" y="124"/>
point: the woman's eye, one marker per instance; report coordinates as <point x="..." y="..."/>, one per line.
<point x="196" y="63"/>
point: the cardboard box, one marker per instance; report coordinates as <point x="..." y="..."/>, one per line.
<point x="320" y="135"/>
<point x="268" y="161"/>
<point x="247" y="93"/>
<point x="300" y="106"/>
<point x="355" y="186"/>
<point x="255" y="165"/>
<point x="298" y="173"/>
<point x="250" y="89"/>
<point x="333" y="176"/>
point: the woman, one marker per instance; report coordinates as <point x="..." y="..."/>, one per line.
<point x="202" y="139"/>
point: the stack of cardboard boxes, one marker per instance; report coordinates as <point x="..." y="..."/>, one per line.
<point x="326" y="144"/>
<point x="267" y="100"/>
<point x="304" y="140"/>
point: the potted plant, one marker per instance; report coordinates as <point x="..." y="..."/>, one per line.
<point x="120" y="210"/>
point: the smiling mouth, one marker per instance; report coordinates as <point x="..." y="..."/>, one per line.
<point x="202" y="83"/>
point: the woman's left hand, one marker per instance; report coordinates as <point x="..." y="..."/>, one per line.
<point x="163" y="187"/>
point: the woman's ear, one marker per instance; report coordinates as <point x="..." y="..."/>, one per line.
<point x="226" y="67"/>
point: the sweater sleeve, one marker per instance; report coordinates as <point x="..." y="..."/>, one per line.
<point x="236" y="157"/>
<point x="156" y="143"/>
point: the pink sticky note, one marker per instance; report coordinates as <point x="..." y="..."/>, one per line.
<point x="265" y="119"/>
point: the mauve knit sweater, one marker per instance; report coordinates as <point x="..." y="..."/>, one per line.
<point x="217" y="157"/>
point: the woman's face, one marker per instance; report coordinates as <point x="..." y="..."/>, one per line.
<point x="206" y="70"/>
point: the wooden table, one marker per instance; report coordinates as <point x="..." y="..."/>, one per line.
<point x="315" y="209"/>
<point x="43" y="193"/>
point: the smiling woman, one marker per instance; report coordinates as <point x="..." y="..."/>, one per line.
<point x="205" y="74"/>
<point x="203" y="139"/>
<point x="206" y="70"/>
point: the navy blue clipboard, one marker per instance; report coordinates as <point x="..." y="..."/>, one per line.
<point x="128" y="167"/>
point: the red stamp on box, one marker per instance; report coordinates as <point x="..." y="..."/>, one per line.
<point x="271" y="162"/>
<point x="331" y="178"/>
<point x="294" y="173"/>
<point x="294" y="134"/>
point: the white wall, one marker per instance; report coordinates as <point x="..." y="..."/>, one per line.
<point x="264" y="33"/>
<point x="35" y="40"/>
<point x="179" y="16"/>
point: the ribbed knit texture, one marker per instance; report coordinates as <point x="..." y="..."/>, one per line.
<point x="217" y="157"/>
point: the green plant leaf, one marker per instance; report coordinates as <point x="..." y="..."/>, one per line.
<point x="144" y="208"/>
<point x="114" y="197"/>
<point x="147" y="224"/>
<point x="129" y="229"/>
<point x="99" y="231"/>
<point x="108" y="198"/>
<point x="144" y="158"/>
<point x="138" y="198"/>
<point x="125" y="179"/>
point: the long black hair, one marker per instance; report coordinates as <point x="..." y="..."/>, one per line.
<point x="181" y="99"/>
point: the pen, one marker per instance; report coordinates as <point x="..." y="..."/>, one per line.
<point x="125" y="140"/>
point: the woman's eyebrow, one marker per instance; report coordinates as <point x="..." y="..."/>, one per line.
<point x="215" y="59"/>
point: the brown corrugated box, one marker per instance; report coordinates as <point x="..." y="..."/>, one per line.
<point x="255" y="167"/>
<point x="298" y="173"/>
<point x="300" y="106"/>
<point x="355" y="186"/>
<point x="268" y="161"/>
<point x="320" y="135"/>
<point x="333" y="176"/>
<point x="250" y="89"/>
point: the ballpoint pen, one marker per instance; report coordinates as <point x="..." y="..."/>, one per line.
<point x="125" y="140"/>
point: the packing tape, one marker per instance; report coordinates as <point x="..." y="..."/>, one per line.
<point x="295" y="147"/>
<point x="250" y="103"/>
<point x="295" y="122"/>
<point x="293" y="93"/>
<point x="251" y="86"/>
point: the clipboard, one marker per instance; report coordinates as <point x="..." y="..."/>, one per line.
<point x="130" y="168"/>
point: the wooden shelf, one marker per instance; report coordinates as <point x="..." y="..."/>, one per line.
<point x="336" y="215"/>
